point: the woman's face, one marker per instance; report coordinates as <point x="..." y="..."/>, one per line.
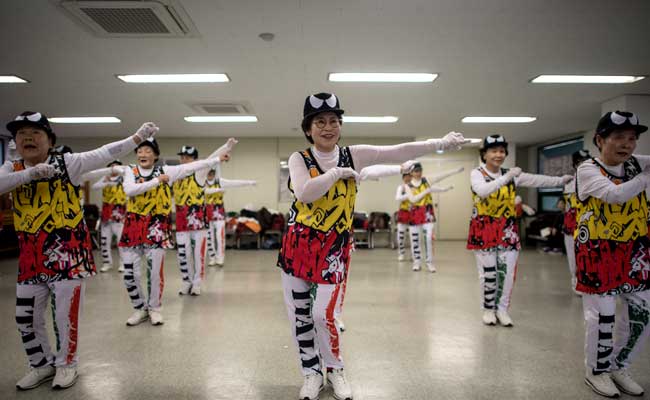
<point x="495" y="156"/>
<point x="416" y="174"/>
<point x="618" y="146"/>
<point x="325" y="130"/>
<point x="406" y="179"/>
<point x="32" y="144"/>
<point x="146" y="157"/>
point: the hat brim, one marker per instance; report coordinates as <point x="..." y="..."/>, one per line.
<point x="336" y="111"/>
<point x="495" y="144"/>
<point x="13" y="126"/>
<point x="636" y="128"/>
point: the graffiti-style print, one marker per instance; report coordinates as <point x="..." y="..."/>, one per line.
<point x="611" y="242"/>
<point x="190" y="204"/>
<point x="157" y="201"/>
<point x="53" y="237"/>
<point x="570" y="213"/>
<point x="316" y="246"/>
<point x="422" y="215"/>
<point x="113" y="203"/>
<point x="215" y="212"/>
<point x="150" y="231"/>
<point x="493" y="221"/>
<point x="214" y="198"/>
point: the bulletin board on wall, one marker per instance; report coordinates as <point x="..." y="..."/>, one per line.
<point x="555" y="160"/>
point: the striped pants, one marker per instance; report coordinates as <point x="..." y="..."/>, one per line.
<point x="191" y="255"/>
<point x="311" y="308"/>
<point x="496" y="273"/>
<point x="612" y="341"/>
<point x="132" y="258"/>
<point x="66" y="299"/>
<point x="217" y="240"/>
<point x="108" y="230"/>
<point x="416" y="253"/>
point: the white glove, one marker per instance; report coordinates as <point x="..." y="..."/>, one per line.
<point x="41" y="171"/>
<point x="452" y="141"/>
<point x="567" y="178"/>
<point x="226" y="148"/>
<point x="147" y="130"/>
<point x="346" y="172"/>
<point x="512" y="173"/>
<point x="118" y="169"/>
<point x="406" y="167"/>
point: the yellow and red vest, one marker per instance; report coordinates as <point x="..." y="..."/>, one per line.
<point x="422" y="211"/>
<point x="147" y="222"/>
<point x="114" y="202"/>
<point x="570" y="212"/>
<point x="190" y="204"/>
<point x="214" y="206"/>
<point x="53" y="237"/>
<point x="493" y="224"/>
<point x="611" y="240"/>
<point x="316" y="246"/>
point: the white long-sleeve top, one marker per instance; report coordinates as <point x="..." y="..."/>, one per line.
<point x="308" y="189"/>
<point x="401" y="194"/>
<point x="592" y="183"/>
<point x="102" y="183"/>
<point x="175" y="172"/>
<point x="227" y="184"/>
<point x="414" y="198"/>
<point x="483" y="189"/>
<point x="76" y="164"/>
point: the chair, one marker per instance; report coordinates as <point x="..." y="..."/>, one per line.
<point x="380" y="224"/>
<point x="361" y="229"/>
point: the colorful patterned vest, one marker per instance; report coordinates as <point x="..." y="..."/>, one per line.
<point x="611" y="240"/>
<point x="422" y="211"/>
<point x="214" y="208"/>
<point x="570" y="211"/>
<point x="53" y="237"/>
<point x="405" y="205"/>
<point x="148" y="215"/>
<point x="316" y="246"/>
<point x="190" y="204"/>
<point x="493" y="224"/>
<point x="114" y="203"/>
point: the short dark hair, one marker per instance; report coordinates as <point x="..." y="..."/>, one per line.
<point x="306" y="125"/>
<point x="483" y="151"/>
<point x="604" y="135"/>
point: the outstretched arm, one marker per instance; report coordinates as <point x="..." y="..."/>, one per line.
<point x="308" y="189"/>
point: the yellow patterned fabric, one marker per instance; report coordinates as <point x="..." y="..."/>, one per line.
<point x="157" y="201"/>
<point x="114" y="194"/>
<point x="188" y="192"/>
<point x="426" y="200"/>
<point x="214" y="198"/>
<point x="500" y="203"/>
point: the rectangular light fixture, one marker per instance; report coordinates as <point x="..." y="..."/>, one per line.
<point x="381" y="77"/>
<point x="221" y="118"/>
<point x="498" y="120"/>
<point x="586" y="79"/>
<point x="11" y="79"/>
<point x="370" y="120"/>
<point x="175" y="78"/>
<point x="85" y="120"/>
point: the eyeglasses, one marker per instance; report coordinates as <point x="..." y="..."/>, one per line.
<point x="492" y="139"/>
<point x="619" y="119"/>
<point x="322" y="123"/>
<point x="32" y="117"/>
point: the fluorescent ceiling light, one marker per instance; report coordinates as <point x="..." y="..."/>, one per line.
<point x="586" y="79"/>
<point x="11" y="79"/>
<point x="85" y="120"/>
<point x="222" y="118"/>
<point x="375" y="120"/>
<point x="498" y="120"/>
<point x="175" y="78"/>
<point x="381" y="77"/>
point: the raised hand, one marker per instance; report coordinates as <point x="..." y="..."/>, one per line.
<point x="41" y="171"/>
<point x="146" y="131"/>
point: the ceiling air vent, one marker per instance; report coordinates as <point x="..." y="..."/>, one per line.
<point x="136" y="18"/>
<point x="222" y="109"/>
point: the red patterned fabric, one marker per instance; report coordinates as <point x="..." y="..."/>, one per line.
<point x="152" y="231"/>
<point x="422" y="214"/>
<point x="113" y="212"/>
<point x="403" y="217"/>
<point x="190" y="218"/>
<point x="486" y="232"/>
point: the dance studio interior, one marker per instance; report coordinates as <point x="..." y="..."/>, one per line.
<point x="300" y="199"/>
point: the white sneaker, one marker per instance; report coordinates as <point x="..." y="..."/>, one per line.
<point x="120" y="268"/>
<point x="311" y="387"/>
<point x="65" y="377"/>
<point x="137" y="317"/>
<point x="220" y="261"/>
<point x="185" y="288"/>
<point x="156" y="318"/>
<point x="105" y="268"/>
<point x="431" y="268"/>
<point x="504" y="318"/>
<point x="339" y="324"/>
<point x="401" y="257"/>
<point x="602" y="384"/>
<point x="35" y="377"/>
<point x="196" y="290"/>
<point x="339" y="384"/>
<point x="489" y="317"/>
<point x="623" y="380"/>
<point x="212" y="261"/>
<point x="416" y="267"/>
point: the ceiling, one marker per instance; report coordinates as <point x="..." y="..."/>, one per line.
<point x="485" y="52"/>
